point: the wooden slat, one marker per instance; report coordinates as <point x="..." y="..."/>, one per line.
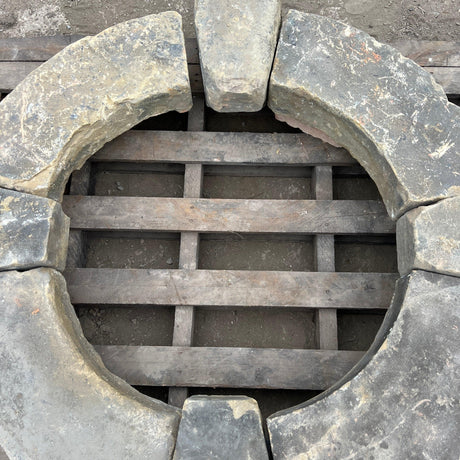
<point x="230" y="288"/>
<point x="184" y="316"/>
<point x="222" y="148"/>
<point x="326" y="319"/>
<point x="80" y="183"/>
<point x="430" y="53"/>
<point x="227" y="215"/>
<point x="447" y="77"/>
<point x="228" y="367"/>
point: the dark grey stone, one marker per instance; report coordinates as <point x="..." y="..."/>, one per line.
<point x="405" y="403"/>
<point x="220" y="428"/>
<point x="57" y="400"/>
<point x="89" y="93"/>
<point x="34" y="232"/>
<point x="237" y="41"/>
<point x="365" y="96"/>
<point x="428" y="238"/>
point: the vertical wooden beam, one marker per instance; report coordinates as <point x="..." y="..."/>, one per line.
<point x="326" y="319"/>
<point x="188" y="256"/>
<point x="80" y="182"/>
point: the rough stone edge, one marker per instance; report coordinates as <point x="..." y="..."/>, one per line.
<point x="406" y="245"/>
<point x="70" y="321"/>
<point x="70" y="326"/>
<point x="58" y="221"/>
<point x="58" y="177"/>
<point x="401" y="284"/>
<point x="407" y="203"/>
<point x="220" y="104"/>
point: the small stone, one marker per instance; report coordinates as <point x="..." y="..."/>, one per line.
<point x="220" y="428"/>
<point x="237" y="41"/>
<point x="57" y="400"/>
<point x="34" y="232"/>
<point x="428" y="238"/>
<point x="383" y="108"/>
<point x="169" y="261"/>
<point x="89" y="93"/>
<point x="404" y="402"/>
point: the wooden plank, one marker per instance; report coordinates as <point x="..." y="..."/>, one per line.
<point x="222" y="148"/>
<point x="32" y="49"/>
<point x="80" y="183"/>
<point x="228" y="367"/>
<point x="12" y="73"/>
<point x="326" y="319"/>
<point x="447" y="77"/>
<point x="227" y="215"/>
<point x="230" y="288"/>
<point x="430" y="53"/>
<point x="184" y="316"/>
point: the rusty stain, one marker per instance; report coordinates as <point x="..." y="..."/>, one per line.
<point x="37" y="310"/>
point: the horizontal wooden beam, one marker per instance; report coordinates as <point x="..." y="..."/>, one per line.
<point x="222" y="148"/>
<point x="230" y="288"/>
<point x="218" y="215"/>
<point x="228" y="367"/>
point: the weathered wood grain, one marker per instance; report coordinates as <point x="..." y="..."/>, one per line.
<point x="228" y="367"/>
<point x="430" y="53"/>
<point x="222" y="148"/>
<point x="227" y="215"/>
<point x="80" y="184"/>
<point x="230" y="288"/>
<point x="324" y="254"/>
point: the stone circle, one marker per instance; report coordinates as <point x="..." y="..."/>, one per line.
<point x="336" y="82"/>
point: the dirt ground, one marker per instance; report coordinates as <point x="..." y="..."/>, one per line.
<point x="387" y="20"/>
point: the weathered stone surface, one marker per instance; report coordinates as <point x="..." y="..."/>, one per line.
<point x="57" y="400"/>
<point x="237" y="41"/>
<point x="405" y="402"/>
<point x="220" y="428"/>
<point x="34" y="232"/>
<point x="86" y="95"/>
<point x="386" y="110"/>
<point x="428" y="238"/>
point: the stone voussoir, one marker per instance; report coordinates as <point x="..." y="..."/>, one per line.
<point x="220" y="428"/>
<point x="89" y="93"/>
<point x="405" y="402"/>
<point x="428" y="238"/>
<point x="34" y="232"/>
<point x="57" y="400"/>
<point x="338" y="83"/>
<point x="237" y="42"/>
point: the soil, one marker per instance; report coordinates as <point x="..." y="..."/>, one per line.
<point x="387" y="20"/>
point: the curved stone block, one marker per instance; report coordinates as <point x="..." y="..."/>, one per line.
<point x="220" y="427"/>
<point x="237" y="41"/>
<point x="34" y="232"/>
<point x="86" y="95"/>
<point x="340" y="83"/>
<point x="57" y="400"/>
<point x="428" y="238"/>
<point x="404" y="403"/>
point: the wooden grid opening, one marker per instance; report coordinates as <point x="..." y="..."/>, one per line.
<point x="225" y="274"/>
